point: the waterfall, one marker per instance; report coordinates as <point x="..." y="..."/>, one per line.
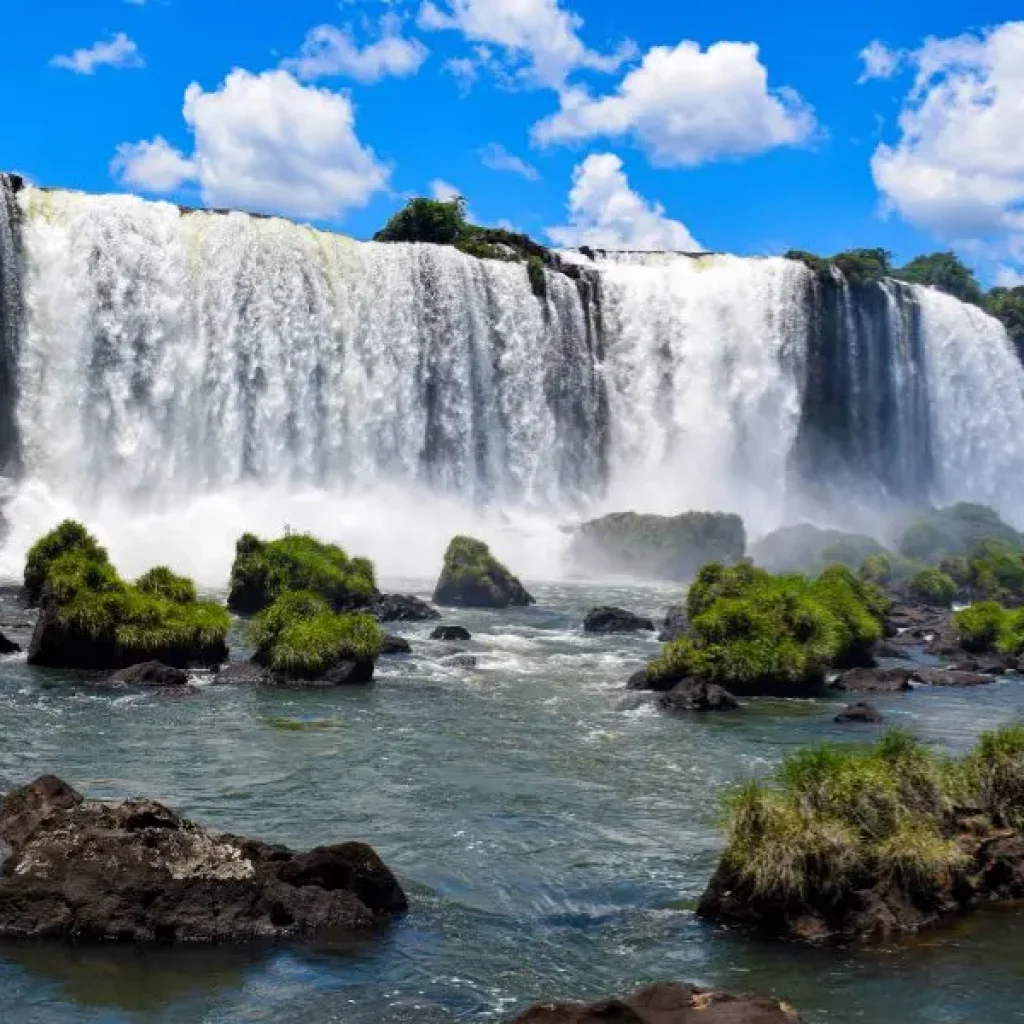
<point x="186" y="375"/>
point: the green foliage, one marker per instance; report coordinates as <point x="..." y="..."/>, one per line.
<point x="264" y="570"/>
<point x="68" y="536"/>
<point x="861" y="266"/>
<point x="817" y="264"/>
<point x="809" y="549"/>
<point x="993" y="774"/>
<point x="980" y="627"/>
<point x="658" y="547"/>
<point x="1007" y="305"/>
<point x="957" y="569"/>
<point x="956" y="530"/>
<point x="426" y="220"/>
<point x="299" y="636"/>
<point x="877" y="569"/>
<point x="945" y="271"/>
<point x="537" y="276"/>
<point x="995" y="571"/>
<point x="164" y="583"/>
<point x="751" y="631"/>
<point x="934" y="587"/>
<point x="839" y="817"/>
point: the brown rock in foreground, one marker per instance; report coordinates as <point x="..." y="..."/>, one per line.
<point x="666" y="1004"/>
<point x="137" y="871"/>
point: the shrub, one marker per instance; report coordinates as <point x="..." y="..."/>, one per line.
<point x="995" y="571"/>
<point x="426" y="220"/>
<point x="945" y="271"/>
<point x="956" y="530"/>
<point x="993" y="775"/>
<point x="933" y="587"/>
<point x="164" y="583"/>
<point x="980" y="627"/>
<point x="68" y="536"/>
<point x="299" y="636"/>
<point x="809" y="549"/>
<point x="264" y="570"/>
<point x="877" y="569"/>
<point x="858" y="608"/>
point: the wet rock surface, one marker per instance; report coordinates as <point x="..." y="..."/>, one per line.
<point x="674" y="624"/>
<point x="666" y="1004"/>
<point x="615" y="620"/>
<point x="403" y="608"/>
<point x="451" y="633"/>
<point x="698" y="695"/>
<point x="137" y="871"/>
<point x="147" y="674"/>
<point x="861" y="712"/>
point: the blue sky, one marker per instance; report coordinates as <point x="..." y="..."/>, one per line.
<point x="747" y="127"/>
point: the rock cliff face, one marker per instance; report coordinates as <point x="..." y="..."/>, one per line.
<point x="75" y="869"/>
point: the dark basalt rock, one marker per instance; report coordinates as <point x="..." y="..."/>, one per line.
<point x="8" y="646"/>
<point x="674" y="625"/>
<point x="950" y="677"/>
<point x="915" y="622"/>
<point x="615" y="620"/>
<point x="395" y="645"/>
<point x="472" y="577"/>
<point x="698" y="695"/>
<point x="451" y="633"/>
<point x="860" y="712"/>
<point x="404" y="608"/>
<point x="875" y="680"/>
<point x="149" y="673"/>
<point x="350" y="672"/>
<point x="666" y="1004"/>
<point x="244" y="673"/>
<point x="137" y="871"/>
<point x="57" y="645"/>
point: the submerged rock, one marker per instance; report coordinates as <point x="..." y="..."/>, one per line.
<point x="473" y="578"/>
<point x="950" y="677"/>
<point x="404" y="608"/>
<point x="137" y="871"/>
<point x="698" y="695"/>
<point x="674" y="625"/>
<point x="451" y="633"/>
<point x="8" y="646"/>
<point x="665" y="1004"/>
<point x="149" y="673"/>
<point x="875" y="680"/>
<point x="615" y="620"/>
<point x="860" y="712"/>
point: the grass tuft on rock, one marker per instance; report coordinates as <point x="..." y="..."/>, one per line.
<point x="301" y="637"/>
<point x="161" y="582"/>
<point x="472" y="577"/>
<point x="66" y="537"/>
<point x="264" y="570"/>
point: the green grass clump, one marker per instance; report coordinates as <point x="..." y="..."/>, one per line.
<point x="993" y="775"/>
<point x="841" y="817"/>
<point x="264" y="570"/>
<point x="750" y="631"/>
<point x="299" y="636"/>
<point x="877" y="569"/>
<point x="995" y="572"/>
<point x="980" y="627"/>
<point x="934" y="587"/>
<point x="472" y="576"/>
<point x="161" y="582"/>
<point x="66" y="537"/>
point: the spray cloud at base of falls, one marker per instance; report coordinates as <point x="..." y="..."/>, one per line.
<point x="177" y="378"/>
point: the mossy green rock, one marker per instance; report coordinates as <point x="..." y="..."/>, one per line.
<point x="264" y="570"/>
<point x="657" y="547"/>
<point x="956" y="530"/>
<point x="90" y="618"/>
<point x="473" y="578"/>
<point x="808" y="549"/>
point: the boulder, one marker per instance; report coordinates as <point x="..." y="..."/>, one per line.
<point x="665" y="1004"/>
<point x="149" y="674"/>
<point x="698" y="695"/>
<point x="8" y="646"/>
<point x="395" y="645"/>
<point x="674" y="625"/>
<point x="473" y="578"/>
<point x="404" y="608"/>
<point x="137" y="871"/>
<point x="950" y="677"/>
<point x="345" y="672"/>
<point x="639" y="680"/>
<point x="860" y="712"/>
<point x="615" y="620"/>
<point x="915" y="622"/>
<point x="57" y="644"/>
<point x="451" y="634"/>
<point x="875" y="680"/>
<point x="808" y="549"/>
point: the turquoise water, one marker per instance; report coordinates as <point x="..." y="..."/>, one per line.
<point x="553" y="833"/>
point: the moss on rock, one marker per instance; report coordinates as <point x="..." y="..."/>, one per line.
<point x="473" y="578"/>
<point x="264" y="570"/>
<point x="67" y="536"/>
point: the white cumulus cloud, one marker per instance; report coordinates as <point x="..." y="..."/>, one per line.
<point x="444" y="191"/>
<point x="496" y="157"/>
<point x="685" y="106"/>
<point x="329" y="51"/>
<point x="605" y="213"/>
<point x="117" y="52"/>
<point x="540" y="37"/>
<point x="879" y="61"/>
<point x="266" y="143"/>
<point x="957" y="168"/>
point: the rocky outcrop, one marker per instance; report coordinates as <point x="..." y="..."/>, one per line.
<point x="57" y="643"/>
<point x="137" y="871"/>
<point x="950" y="677"/>
<point x="346" y="672"/>
<point x="149" y="674"/>
<point x="674" y="624"/>
<point x="875" y="680"/>
<point x="453" y="634"/>
<point x="395" y="645"/>
<point x="473" y="578"/>
<point x="615" y="620"/>
<point x="861" y="712"/>
<point x="666" y="1004"/>
<point x="404" y="608"/>
<point x="698" y="695"/>
<point x="808" y="549"/>
<point x="8" y="646"/>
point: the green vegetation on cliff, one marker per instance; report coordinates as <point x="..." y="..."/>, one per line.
<point x="809" y="549"/>
<point x="472" y="577"/>
<point x="933" y="586"/>
<point x="264" y="570"/>
<point x="753" y="632"/>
